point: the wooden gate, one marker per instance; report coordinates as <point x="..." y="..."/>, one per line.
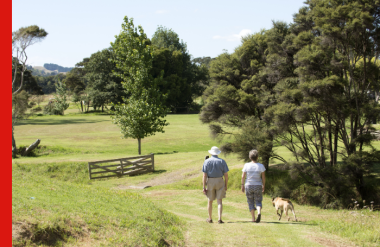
<point x="120" y="167"/>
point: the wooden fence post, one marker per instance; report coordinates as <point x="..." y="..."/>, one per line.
<point x="152" y="161"/>
<point x="89" y="170"/>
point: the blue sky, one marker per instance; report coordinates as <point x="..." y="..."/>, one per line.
<point x="79" y="28"/>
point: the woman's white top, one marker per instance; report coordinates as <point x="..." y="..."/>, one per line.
<point x="253" y="171"/>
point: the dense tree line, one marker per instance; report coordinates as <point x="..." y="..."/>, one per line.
<point x="184" y="79"/>
<point x="93" y="80"/>
<point x="306" y="86"/>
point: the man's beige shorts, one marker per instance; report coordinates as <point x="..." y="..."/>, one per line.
<point x="215" y="188"/>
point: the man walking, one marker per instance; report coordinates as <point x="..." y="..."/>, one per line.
<point x="213" y="170"/>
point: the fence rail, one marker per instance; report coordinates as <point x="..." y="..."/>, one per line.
<point x="121" y="167"/>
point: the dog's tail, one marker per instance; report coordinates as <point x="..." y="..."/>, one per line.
<point x="292" y="208"/>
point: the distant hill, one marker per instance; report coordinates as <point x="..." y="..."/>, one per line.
<point x="41" y="71"/>
<point x="48" y="69"/>
<point x="52" y="67"/>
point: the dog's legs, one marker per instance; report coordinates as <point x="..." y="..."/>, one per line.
<point x="286" y="213"/>
<point x="277" y="212"/>
<point x="281" y="214"/>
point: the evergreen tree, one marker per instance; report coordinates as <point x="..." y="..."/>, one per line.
<point x="103" y="85"/>
<point x="183" y="79"/>
<point x="306" y="89"/>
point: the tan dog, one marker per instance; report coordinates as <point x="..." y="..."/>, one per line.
<point x="284" y="205"/>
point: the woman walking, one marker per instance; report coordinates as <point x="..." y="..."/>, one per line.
<point x="254" y="185"/>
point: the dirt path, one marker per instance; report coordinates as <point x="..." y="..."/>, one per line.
<point x="166" y="178"/>
<point x="190" y="206"/>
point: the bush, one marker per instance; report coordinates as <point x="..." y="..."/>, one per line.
<point x="31" y="104"/>
<point x="279" y="183"/>
<point x="49" y="109"/>
<point x="37" y="109"/>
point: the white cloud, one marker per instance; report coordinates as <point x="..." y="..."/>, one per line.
<point x="234" y="37"/>
<point x="162" y="11"/>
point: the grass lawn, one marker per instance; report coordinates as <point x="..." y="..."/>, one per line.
<point x="89" y="137"/>
<point x="55" y="203"/>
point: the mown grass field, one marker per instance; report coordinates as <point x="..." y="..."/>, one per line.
<point x="54" y="202"/>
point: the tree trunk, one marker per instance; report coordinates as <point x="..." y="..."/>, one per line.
<point x="336" y="133"/>
<point x="31" y="147"/>
<point x="14" y="148"/>
<point x="81" y="105"/>
<point x="102" y="108"/>
<point x="139" y="140"/>
<point x="360" y="185"/>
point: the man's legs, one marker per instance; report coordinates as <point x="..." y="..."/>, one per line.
<point x="209" y="207"/>
<point x="220" y="208"/>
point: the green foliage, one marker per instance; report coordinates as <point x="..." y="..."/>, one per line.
<point x="31" y="33"/>
<point x="103" y="86"/>
<point x="60" y="98"/>
<point x="183" y="80"/>
<point x="305" y="86"/>
<point x="74" y="81"/>
<point x="19" y="105"/>
<point x="30" y="84"/>
<point x="47" y="83"/>
<point x="203" y="61"/>
<point x="142" y="112"/>
<point x="167" y="38"/>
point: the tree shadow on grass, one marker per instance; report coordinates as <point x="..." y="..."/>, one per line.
<point x="154" y="172"/>
<point x="58" y="121"/>
<point x="159" y="153"/>
<point x="158" y="171"/>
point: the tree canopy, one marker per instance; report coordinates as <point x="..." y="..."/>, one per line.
<point x="305" y="86"/>
<point x="183" y="80"/>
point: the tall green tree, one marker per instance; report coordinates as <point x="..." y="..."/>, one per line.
<point x="233" y="98"/>
<point x="183" y="80"/>
<point x="311" y="92"/>
<point x="142" y="111"/>
<point x="103" y="85"/>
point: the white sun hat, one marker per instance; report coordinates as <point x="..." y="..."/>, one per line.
<point x="214" y="151"/>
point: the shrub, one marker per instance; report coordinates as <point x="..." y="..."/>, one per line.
<point x="37" y="109"/>
<point x="49" y="109"/>
<point x="31" y="104"/>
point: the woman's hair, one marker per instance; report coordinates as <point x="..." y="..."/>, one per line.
<point x="253" y="155"/>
